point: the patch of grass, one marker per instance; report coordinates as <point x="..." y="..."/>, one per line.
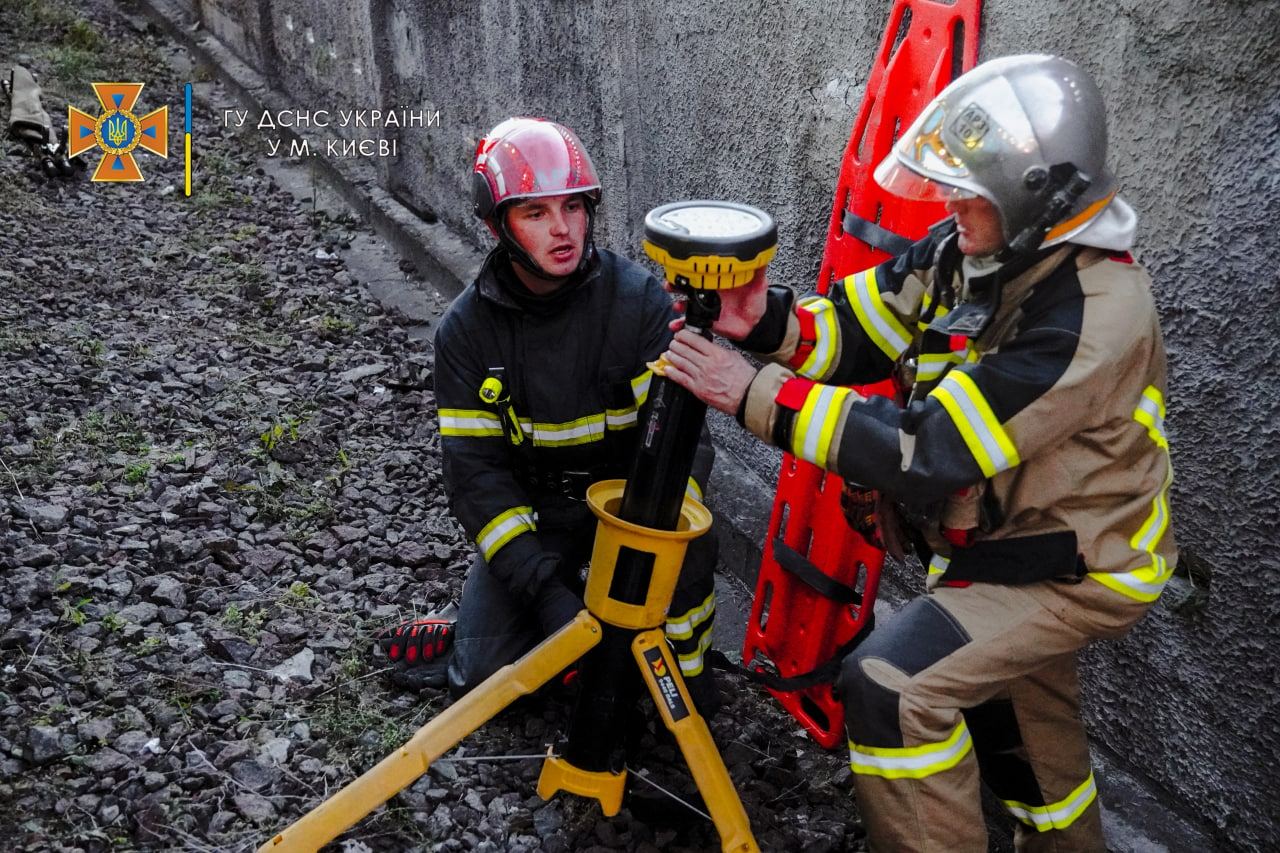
<point x="354" y="665"/>
<point x="186" y="696"/>
<point x="92" y="349"/>
<point x="246" y="623"/>
<point x="211" y="196"/>
<point x="82" y="35"/>
<point x="38" y="14"/>
<point x="348" y="726"/>
<point x="332" y="327"/>
<point x="299" y="594"/>
<point x="74" y="613"/>
<point x="260" y="335"/>
<point x="113" y="623"/>
<point x="90" y="437"/>
<point x="149" y="645"/>
<point x="75" y="53"/>
<point x="128" y="438"/>
<point x="280" y="432"/>
<point x="215" y="188"/>
<point x="17" y="341"/>
<point x="137" y="473"/>
<point x="73" y="68"/>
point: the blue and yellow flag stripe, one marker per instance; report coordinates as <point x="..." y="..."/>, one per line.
<point x="186" y="140"/>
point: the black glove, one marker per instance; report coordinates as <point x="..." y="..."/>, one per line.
<point x="526" y="579"/>
<point x="555" y="606"/>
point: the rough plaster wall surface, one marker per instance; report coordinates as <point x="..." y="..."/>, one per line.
<point x="479" y="63"/>
<point x="237" y="23"/>
<point x="1194" y="108"/>
<point x="754" y="102"/>
<point x="326" y="59"/>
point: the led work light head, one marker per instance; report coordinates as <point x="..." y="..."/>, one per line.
<point x="709" y="245"/>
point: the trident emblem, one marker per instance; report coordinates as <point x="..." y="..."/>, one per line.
<point x="117" y="131"/>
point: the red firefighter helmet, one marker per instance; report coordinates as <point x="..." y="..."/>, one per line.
<point x="526" y="158"/>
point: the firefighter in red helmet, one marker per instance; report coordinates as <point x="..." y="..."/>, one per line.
<point x="540" y="373"/>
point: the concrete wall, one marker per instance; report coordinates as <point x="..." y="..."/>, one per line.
<point x="753" y="101"/>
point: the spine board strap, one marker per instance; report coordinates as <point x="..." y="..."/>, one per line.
<point x="824" y="673"/>
<point x="874" y="235"/>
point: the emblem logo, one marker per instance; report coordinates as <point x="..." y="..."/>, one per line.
<point x="971" y="126"/>
<point x="118" y="131"/>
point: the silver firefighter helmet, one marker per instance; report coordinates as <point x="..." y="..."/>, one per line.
<point x="1016" y="131"/>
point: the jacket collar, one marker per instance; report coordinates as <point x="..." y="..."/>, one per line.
<point x="497" y="283"/>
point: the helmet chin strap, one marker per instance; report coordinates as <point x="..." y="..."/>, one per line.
<point x="525" y="260"/>
<point x="1063" y="185"/>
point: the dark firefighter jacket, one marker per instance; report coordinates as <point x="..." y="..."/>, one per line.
<point x="574" y="367"/>
<point x="1035" y="420"/>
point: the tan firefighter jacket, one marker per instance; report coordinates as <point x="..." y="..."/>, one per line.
<point x="1034" y="421"/>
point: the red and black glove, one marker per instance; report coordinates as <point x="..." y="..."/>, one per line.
<point x="423" y="640"/>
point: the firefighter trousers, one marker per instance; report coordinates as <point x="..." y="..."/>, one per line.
<point x="978" y="684"/>
<point x="496" y="628"/>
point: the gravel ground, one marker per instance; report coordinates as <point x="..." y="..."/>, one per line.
<point x="221" y="473"/>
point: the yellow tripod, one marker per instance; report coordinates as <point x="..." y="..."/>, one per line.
<point x="704" y="247"/>
<point x="658" y="669"/>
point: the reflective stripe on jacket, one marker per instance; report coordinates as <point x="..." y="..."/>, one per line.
<point x="1057" y="405"/>
<point x="574" y="367"/>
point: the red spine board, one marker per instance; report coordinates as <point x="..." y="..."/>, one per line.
<point x="925" y="44"/>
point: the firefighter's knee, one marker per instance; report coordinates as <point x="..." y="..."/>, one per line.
<point x="870" y="706"/>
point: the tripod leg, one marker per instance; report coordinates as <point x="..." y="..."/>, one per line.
<point x="399" y="770"/>
<point x="662" y="675"/>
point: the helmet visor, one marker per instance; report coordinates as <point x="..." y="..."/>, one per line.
<point x="957" y="145"/>
<point x="904" y="182"/>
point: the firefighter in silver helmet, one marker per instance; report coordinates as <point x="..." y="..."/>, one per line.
<point x="1029" y="465"/>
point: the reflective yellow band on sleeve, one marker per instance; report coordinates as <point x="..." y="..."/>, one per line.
<point x="815" y="425"/>
<point x="503" y="528"/>
<point x="822" y="359"/>
<point x="911" y="762"/>
<point x="880" y="324"/>
<point x="469" y="422"/>
<point x="1059" y="815"/>
<point x="1150" y="413"/>
<point x="682" y="627"/>
<point x="990" y="445"/>
<point x="1146" y="583"/>
<point x="924" y="309"/>
<point x="640" y="387"/>
<point x="692" y="663"/>
<point x="693" y="490"/>
<point x="931" y="365"/>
